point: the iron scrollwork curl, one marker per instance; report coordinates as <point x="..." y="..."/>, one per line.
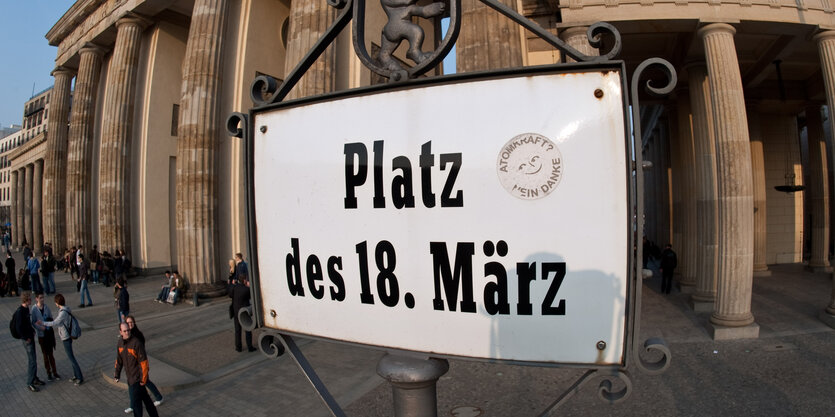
<point x="237" y="125"/>
<point x="605" y="392"/>
<point x="659" y="366"/>
<point x="270" y="344"/>
<point x="245" y="318"/>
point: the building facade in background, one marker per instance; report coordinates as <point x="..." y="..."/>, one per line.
<point x="138" y="158"/>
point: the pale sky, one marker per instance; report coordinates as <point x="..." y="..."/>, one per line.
<point x="26" y="59"/>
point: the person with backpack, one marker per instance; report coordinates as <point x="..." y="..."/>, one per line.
<point x="68" y="329"/>
<point x="21" y="328"/>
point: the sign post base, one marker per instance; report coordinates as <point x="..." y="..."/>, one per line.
<point x="413" y="383"/>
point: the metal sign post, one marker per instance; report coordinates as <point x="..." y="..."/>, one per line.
<point x="470" y="217"/>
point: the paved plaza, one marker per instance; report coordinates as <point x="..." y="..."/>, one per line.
<point x="788" y="371"/>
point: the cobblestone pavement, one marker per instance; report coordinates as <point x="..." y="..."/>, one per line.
<point x="788" y="371"/>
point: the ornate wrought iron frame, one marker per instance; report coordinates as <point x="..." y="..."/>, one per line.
<point x="267" y="94"/>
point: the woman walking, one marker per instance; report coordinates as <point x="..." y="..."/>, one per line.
<point x="46" y="336"/>
<point x="150" y="385"/>
<point x="64" y="322"/>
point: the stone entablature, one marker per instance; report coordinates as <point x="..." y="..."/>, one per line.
<point x="28" y="153"/>
<point x="85" y="22"/>
<point x="812" y="12"/>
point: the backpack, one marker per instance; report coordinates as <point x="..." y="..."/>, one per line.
<point x="74" y="329"/>
<point x="12" y="325"/>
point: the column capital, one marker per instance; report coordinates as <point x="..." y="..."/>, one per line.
<point x="715" y="28"/>
<point x="91" y="48"/>
<point x="134" y="19"/>
<point x="824" y="36"/>
<point x="62" y="70"/>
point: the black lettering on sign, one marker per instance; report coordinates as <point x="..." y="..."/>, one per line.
<point x="338" y="287"/>
<point x="548" y="308"/>
<point x="402" y="182"/>
<point x="315" y="274"/>
<point x="294" y="270"/>
<point x="451" y="280"/>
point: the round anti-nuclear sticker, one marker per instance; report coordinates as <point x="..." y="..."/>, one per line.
<point x="530" y="166"/>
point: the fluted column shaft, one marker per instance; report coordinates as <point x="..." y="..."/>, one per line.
<point x="705" y="173"/>
<point x="197" y="182"/>
<point x="309" y="20"/>
<point x="16" y="209"/>
<point x="488" y="40"/>
<point x="826" y="50"/>
<point x="687" y="246"/>
<point x="80" y="144"/>
<point x="735" y="183"/>
<point x="681" y="121"/>
<point x="117" y="126"/>
<point x="576" y="38"/>
<point x="27" y="203"/>
<point x="37" y="206"/>
<point x="55" y="159"/>
<point x="819" y="188"/>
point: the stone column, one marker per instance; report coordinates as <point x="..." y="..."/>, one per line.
<point x="197" y="234"/>
<point x="576" y="38"/>
<point x="55" y="160"/>
<point x="732" y="318"/>
<point x="826" y="50"/>
<point x="706" y="189"/>
<point x="488" y="40"/>
<point x="760" y="206"/>
<point x="37" y="206"/>
<point x="682" y="107"/>
<point x="79" y="214"/>
<point x="21" y="202"/>
<point x="309" y="20"/>
<point x="686" y="161"/>
<point x="818" y="190"/>
<point x="117" y="126"/>
<point x="27" y="204"/>
<point x="15" y="210"/>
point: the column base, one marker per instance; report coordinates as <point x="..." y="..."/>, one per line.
<point x="718" y="332"/>
<point x="700" y="306"/>
<point x="826" y="318"/>
<point x="819" y="268"/>
<point x="686" y="287"/>
<point x="763" y="273"/>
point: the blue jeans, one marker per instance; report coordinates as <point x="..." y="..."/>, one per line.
<point x="123" y="314"/>
<point x="33" y="361"/>
<point x="83" y="290"/>
<point x="49" y="283"/>
<point x="76" y="370"/>
<point x="35" y="282"/>
<point x="151" y="387"/>
<point x="163" y="294"/>
<point x="95" y="276"/>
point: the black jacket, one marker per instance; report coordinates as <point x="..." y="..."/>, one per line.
<point x="240" y="297"/>
<point x="669" y="261"/>
<point x="23" y="324"/>
<point x="124" y="299"/>
<point x="10" y="268"/>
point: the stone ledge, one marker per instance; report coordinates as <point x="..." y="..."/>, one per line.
<point x="717" y="332"/>
<point x="686" y="288"/>
<point x="821" y="268"/>
<point x="764" y="273"/>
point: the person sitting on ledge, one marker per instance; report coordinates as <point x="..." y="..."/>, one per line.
<point x="166" y="288"/>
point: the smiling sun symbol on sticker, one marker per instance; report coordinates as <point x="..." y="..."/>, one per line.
<point x="529" y="166"/>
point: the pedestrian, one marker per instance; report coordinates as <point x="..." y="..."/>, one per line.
<point x="64" y="324"/>
<point x="27" y="251"/>
<point x="240" y="299"/>
<point x="241" y="268"/>
<point x="33" y="266"/>
<point x="82" y="278"/>
<point x="130" y="354"/>
<point x="48" y="270"/>
<point x="122" y="299"/>
<point x="11" y="279"/>
<point x="135" y="332"/>
<point x="40" y="312"/>
<point x="232" y="274"/>
<point x="95" y="264"/>
<point x="7" y="240"/>
<point x="23" y="326"/>
<point x="669" y="261"/>
<point x="178" y="286"/>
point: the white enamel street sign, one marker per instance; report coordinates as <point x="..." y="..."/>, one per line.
<point x="485" y="219"/>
